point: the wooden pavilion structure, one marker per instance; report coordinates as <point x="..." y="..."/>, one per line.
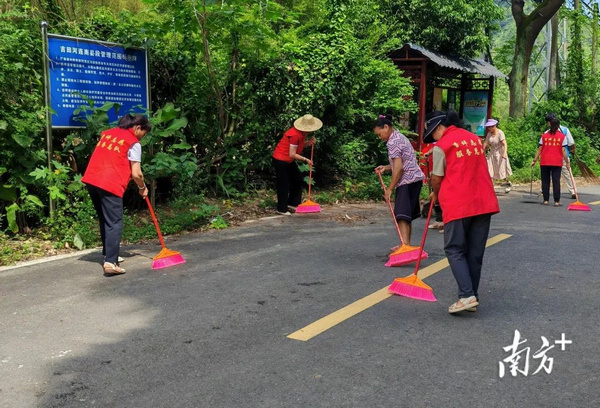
<point x="447" y="82"/>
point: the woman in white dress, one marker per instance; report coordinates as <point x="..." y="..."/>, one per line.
<point x="497" y="158"/>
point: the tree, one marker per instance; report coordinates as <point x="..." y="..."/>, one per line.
<point x="528" y="28"/>
<point x="449" y="26"/>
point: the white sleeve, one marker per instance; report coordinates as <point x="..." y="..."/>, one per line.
<point x="569" y="138"/>
<point x="439" y="162"/>
<point x="134" y="154"/>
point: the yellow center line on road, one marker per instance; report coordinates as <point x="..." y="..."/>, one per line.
<point x="595" y="203"/>
<point x="335" y="318"/>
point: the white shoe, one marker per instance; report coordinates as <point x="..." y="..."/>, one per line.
<point x="463" y="304"/>
<point x="284" y="213"/>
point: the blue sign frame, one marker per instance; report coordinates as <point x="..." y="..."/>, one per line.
<point x="102" y="71"/>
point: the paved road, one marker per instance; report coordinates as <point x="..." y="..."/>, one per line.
<point x="213" y="332"/>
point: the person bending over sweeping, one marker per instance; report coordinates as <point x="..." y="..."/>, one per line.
<point x="288" y="150"/>
<point x="461" y="182"/>
<point x="116" y="159"/>
<point x="407" y="177"/>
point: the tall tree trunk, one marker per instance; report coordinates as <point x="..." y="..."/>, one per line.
<point x="595" y="40"/>
<point x="553" y="67"/>
<point x="201" y="18"/>
<point x="528" y="28"/>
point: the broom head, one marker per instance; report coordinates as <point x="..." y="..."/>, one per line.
<point x="308" y="207"/>
<point x="579" y="206"/>
<point x="413" y="287"/>
<point x="586" y="172"/>
<point x="405" y="254"/>
<point x="167" y="258"/>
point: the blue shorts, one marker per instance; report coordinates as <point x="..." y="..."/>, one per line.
<point x="407" y="206"/>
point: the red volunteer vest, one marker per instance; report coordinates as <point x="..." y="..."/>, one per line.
<point x="282" y="151"/>
<point x="467" y="188"/>
<point x="551" y="154"/>
<point x="109" y="167"/>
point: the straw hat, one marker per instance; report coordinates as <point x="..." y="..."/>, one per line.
<point x="308" y="123"/>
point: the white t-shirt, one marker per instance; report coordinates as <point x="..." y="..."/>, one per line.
<point x="134" y="154"/>
<point x="569" y="136"/>
<point x="439" y="162"/>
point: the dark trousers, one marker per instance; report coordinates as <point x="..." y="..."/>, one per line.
<point x="438" y="212"/>
<point x="109" y="208"/>
<point x="289" y="184"/>
<point x="464" y="243"/>
<point x="554" y="172"/>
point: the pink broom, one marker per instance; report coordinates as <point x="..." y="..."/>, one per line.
<point x="577" y="205"/>
<point x="405" y="253"/>
<point x="412" y="286"/>
<point x="165" y="257"/>
<point x="309" y="206"/>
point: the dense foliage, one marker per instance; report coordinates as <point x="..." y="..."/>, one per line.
<point x="227" y="79"/>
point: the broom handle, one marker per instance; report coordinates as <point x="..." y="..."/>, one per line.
<point x="389" y="203"/>
<point x="162" y="242"/>
<point x="531" y="183"/>
<point x="312" y="150"/>
<point x="573" y="181"/>
<point x="432" y="203"/>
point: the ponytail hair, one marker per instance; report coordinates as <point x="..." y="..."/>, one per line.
<point x="383" y="120"/>
<point x="554" y="123"/>
<point x="128" y="121"/>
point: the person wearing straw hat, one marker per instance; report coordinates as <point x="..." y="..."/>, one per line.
<point x="289" y="149"/>
<point x="497" y="160"/>
<point x="461" y="183"/>
<point x="407" y="177"/>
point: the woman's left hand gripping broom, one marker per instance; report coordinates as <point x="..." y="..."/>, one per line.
<point x="404" y="253"/>
<point x="165" y="257"/>
<point x="412" y="286"/>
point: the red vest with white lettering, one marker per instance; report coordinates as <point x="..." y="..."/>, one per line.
<point x="466" y="189"/>
<point x="552" y="146"/>
<point x="109" y="168"/>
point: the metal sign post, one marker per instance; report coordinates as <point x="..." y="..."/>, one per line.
<point x="47" y="102"/>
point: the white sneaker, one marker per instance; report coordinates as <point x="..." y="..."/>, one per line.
<point x="284" y="213"/>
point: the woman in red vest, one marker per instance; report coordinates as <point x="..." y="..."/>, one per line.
<point x="552" y="152"/>
<point x="288" y="150"/>
<point x="462" y="185"/>
<point x="116" y="159"/>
